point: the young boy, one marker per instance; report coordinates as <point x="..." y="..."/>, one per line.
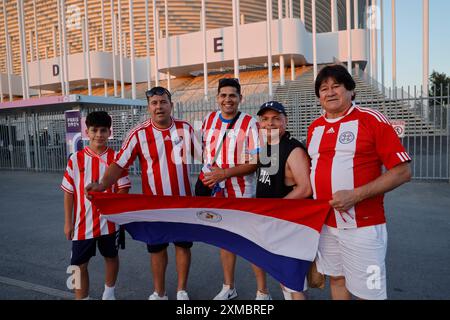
<point x="87" y="229"/>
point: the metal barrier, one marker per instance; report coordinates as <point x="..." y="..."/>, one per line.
<point x="33" y="141"/>
<point x="36" y="140"/>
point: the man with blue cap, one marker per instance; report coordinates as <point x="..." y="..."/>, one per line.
<point x="283" y="172"/>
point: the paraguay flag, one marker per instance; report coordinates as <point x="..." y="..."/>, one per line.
<point x="279" y="235"/>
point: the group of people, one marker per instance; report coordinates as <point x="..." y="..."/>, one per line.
<point x="342" y="162"/>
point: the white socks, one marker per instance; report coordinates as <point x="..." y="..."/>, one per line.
<point x="287" y="295"/>
<point x="108" y="294"/>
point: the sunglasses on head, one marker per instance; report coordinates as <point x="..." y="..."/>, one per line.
<point x="159" y="91"/>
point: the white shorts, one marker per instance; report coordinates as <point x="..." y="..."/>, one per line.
<point x="358" y="255"/>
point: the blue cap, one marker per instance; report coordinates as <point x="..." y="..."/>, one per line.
<point x="273" y="105"/>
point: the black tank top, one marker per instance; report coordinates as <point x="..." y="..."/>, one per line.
<point x="271" y="174"/>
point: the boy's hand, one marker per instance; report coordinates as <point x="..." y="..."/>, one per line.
<point x="68" y="231"/>
<point x="95" y="186"/>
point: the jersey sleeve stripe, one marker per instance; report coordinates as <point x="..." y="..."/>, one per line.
<point x="124" y="180"/>
<point x="141" y="126"/>
<point x="407" y="156"/>
<point x="68" y="176"/>
<point x="209" y="120"/>
<point x="126" y="155"/>
<point x="401" y="157"/>
<point x="382" y="116"/>
<point x="379" y="117"/>
<point x="367" y="112"/>
<point x="66" y="189"/>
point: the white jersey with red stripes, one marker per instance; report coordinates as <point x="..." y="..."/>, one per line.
<point x="83" y="168"/>
<point x="165" y="156"/>
<point x="241" y="142"/>
<point x="349" y="152"/>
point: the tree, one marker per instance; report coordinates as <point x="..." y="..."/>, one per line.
<point x="439" y="87"/>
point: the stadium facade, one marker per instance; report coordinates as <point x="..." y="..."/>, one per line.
<point x="50" y="47"/>
<point x="51" y="80"/>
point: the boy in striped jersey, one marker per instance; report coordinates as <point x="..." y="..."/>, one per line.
<point x="348" y="146"/>
<point x="87" y="229"/>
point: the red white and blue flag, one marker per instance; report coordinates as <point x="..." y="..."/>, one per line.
<point x="279" y="235"/>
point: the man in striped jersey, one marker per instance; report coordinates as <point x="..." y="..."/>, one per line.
<point x="88" y="229"/>
<point x="230" y="156"/>
<point x="348" y="146"/>
<point x="165" y="148"/>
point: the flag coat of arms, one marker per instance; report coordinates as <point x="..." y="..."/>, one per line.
<point x="279" y="235"/>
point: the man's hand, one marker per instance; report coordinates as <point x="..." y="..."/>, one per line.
<point x="68" y="231"/>
<point x="215" y="176"/>
<point x="112" y="174"/>
<point x="95" y="186"/>
<point x="343" y="200"/>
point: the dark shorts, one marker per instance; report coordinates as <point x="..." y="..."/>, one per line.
<point x="155" y="248"/>
<point x="83" y="250"/>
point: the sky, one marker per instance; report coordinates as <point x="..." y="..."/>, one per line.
<point x="410" y="39"/>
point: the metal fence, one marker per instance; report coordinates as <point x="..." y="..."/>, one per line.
<point x="35" y="140"/>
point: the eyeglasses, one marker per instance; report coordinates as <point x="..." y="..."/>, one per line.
<point x="159" y="91"/>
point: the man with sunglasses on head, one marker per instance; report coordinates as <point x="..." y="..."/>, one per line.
<point x="164" y="147"/>
<point x="230" y="147"/>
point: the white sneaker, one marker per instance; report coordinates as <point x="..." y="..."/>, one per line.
<point x="262" y="296"/>
<point x="156" y="296"/>
<point x="226" y="293"/>
<point x="182" y="295"/>
<point x="108" y="293"/>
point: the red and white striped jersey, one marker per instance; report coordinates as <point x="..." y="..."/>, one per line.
<point x="349" y="152"/>
<point x="165" y="156"/>
<point x="239" y="145"/>
<point x="85" y="167"/>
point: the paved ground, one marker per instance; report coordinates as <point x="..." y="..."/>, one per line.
<point x="34" y="253"/>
